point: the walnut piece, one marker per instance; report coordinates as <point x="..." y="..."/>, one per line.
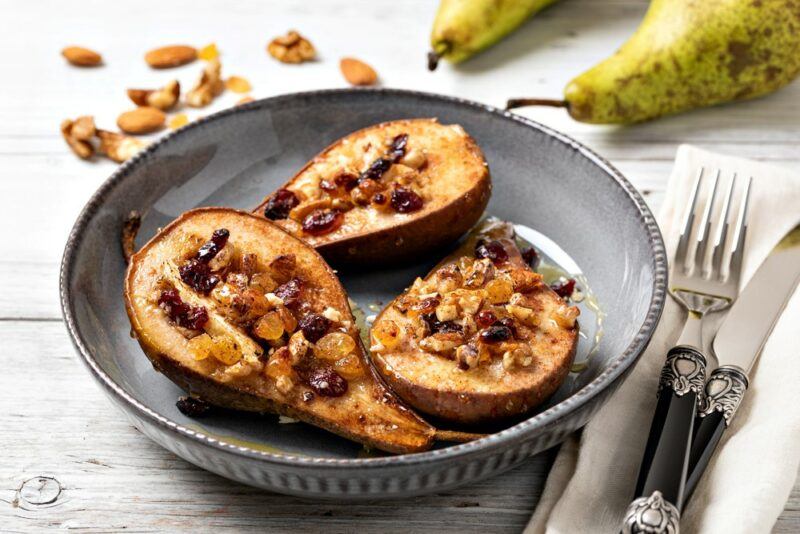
<point x="291" y="48"/>
<point x="163" y="99"/>
<point x="117" y="146"/>
<point x="209" y="86"/>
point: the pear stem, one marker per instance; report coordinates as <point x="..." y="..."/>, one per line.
<point x="433" y="60"/>
<point x="514" y="103"/>
<point x="456" y="436"/>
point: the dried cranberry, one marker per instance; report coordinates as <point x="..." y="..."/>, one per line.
<point x="531" y="257"/>
<point x="564" y="288"/>
<point x="212" y="247"/>
<point x="197" y="275"/>
<point x="485" y="318"/>
<point x="379" y="198"/>
<point x="192" y="407"/>
<point x="405" y="200"/>
<point x="290" y="292"/>
<point x="398" y="147"/>
<point x="320" y="221"/>
<point x="327" y="382"/>
<point x="314" y="326"/>
<point x="496" y="334"/>
<point x="280" y="204"/>
<point x="377" y="169"/>
<point x="494" y="250"/>
<point x="508" y="322"/>
<point x="436" y="326"/>
<point x="181" y="313"/>
<point x="327" y="185"/>
<point x="346" y="180"/>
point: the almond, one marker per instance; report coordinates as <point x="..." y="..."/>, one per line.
<point x="357" y="72"/>
<point x="81" y="57"/>
<point x="170" y="56"/>
<point x="141" y="120"/>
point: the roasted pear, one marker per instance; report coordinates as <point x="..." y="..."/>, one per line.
<point x="385" y="193"/>
<point x="480" y="339"/>
<point x="242" y="315"/>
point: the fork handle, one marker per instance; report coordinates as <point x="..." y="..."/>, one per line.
<point x="724" y="392"/>
<point x="662" y="475"/>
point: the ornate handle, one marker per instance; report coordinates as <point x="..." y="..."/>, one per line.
<point x="659" y="489"/>
<point x="723" y="394"/>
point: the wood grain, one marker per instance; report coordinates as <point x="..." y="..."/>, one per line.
<point x="70" y="460"/>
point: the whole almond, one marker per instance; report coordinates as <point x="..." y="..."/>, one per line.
<point x="141" y="120"/>
<point x="170" y="56"/>
<point x="81" y="57"/>
<point x="357" y="72"/>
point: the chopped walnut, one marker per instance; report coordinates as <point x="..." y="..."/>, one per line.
<point x="291" y="48"/>
<point x="443" y="342"/>
<point x="480" y="272"/>
<point x="519" y="356"/>
<point x="467" y="356"/>
<point x="298" y="346"/>
<point x="414" y="158"/>
<point x="565" y="316"/>
<point x="80" y="146"/>
<point x="208" y="86"/>
<point x="332" y="314"/>
<point x="162" y="99"/>
<point x="117" y="146"/>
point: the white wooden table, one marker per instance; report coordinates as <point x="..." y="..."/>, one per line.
<point x="54" y="420"/>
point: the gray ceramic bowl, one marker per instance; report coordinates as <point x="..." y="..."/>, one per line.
<point x="542" y="179"/>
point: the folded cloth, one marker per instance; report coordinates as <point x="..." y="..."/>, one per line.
<point x="747" y="482"/>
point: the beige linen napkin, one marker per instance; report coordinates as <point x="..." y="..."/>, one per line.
<point x="752" y="473"/>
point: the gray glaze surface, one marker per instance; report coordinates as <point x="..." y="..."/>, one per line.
<point x="542" y="179"/>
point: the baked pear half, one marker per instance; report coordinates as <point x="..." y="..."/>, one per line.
<point x="385" y="193"/>
<point x="481" y="339"/>
<point x="242" y="315"/>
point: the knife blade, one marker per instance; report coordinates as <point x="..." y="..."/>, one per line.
<point x="738" y="344"/>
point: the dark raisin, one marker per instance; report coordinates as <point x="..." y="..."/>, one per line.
<point x="327" y="185"/>
<point x="435" y="326"/>
<point x="290" y="292"/>
<point x="280" y="204"/>
<point x="485" y="318"/>
<point x="398" y="147"/>
<point x="379" y="198"/>
<point x="192" y="407"/>
<point x="494" y="250"/>
<point x="495" y="334"/>
<point x="346" y="180"/>
<point x="531" y="257"/>
<point x="314" y="326"/>
<point x="182" y="314"/>
<point x="212" y="247"/>
<point x="564" y="288"/>
<point x="197" y="275"/>
<point x="405" y="200"/>
<point x="508" y="322"/>
<point x="426" y="304"/>
<point x="327" y="382"/>
<point x="320" y="221"/>
<point x="377" y="169"/>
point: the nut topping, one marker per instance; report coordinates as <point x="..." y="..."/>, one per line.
<point x="170" y="56"/>
<point x="356" y="72"/>
<point x="81" y="57"/>
<point x="163" y="99"/>
<point x="291" y="48"/>
<point x="141" y="120"/>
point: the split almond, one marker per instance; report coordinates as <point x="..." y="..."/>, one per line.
<point x="141" y="120"/>
<point x="357" y="72"/>
<point x="162" y="99"/>
<point x="170" y="56"/>
<point x="82" y="57"/>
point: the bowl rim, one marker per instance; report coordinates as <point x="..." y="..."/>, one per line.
<point x="484" y="445"/>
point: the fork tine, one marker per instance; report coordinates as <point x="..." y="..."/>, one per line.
<point x="722" y="232"/>
<point x="737" y="253"/>
<point x="704" y="228"/>
<point x="688" y="223"/>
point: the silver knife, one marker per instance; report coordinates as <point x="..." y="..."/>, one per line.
<point x="737" y="346"/>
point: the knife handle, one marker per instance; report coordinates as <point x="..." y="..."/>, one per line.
<point x="659" y="489"/>
<point x="724" y="392"/>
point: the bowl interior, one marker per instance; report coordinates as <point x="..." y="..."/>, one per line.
<point x="237" y="157"/>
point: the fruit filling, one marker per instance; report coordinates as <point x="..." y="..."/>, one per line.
<point x="388" y="180"/>
<point x="242" y="314"/>
<point x="476" y="309"/>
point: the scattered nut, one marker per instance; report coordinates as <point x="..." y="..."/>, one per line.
<point x="237" y="84"/>
<point x="82" y="57"/>
<point x="357" y="72"/>
<point x="208" y="86"/>
<point x="83" y="128"/>
<point x="181" y="119"/>
<point x="141" y="120"/>
<point x="81" y="147"/>
<point x="162" y="99"/>
<point x="291" y="48"/>
<point x="118" y="147"/>
<point x="170" y="56"/>
<point x="208" y="52"/>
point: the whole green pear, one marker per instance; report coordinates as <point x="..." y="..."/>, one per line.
<point x="688" y="54"/>
<point x="463" y="28"/>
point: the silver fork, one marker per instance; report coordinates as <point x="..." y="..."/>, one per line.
<point x="701" y="287"/>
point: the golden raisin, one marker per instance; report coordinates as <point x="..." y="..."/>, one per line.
<point x="201" y="346"/>
<point x="181" y="119"/>
<point x="226" y="350"/>
<point x="279" y="364"/>
<point x="387" y="333"/>
<point x="499" y="290"/>
<point x="269" y="326"/>
<point x="334" y="346"/>
<point x="237" y="84"/>
<point x="208" y="52"/>
<point x="349" y="367"/>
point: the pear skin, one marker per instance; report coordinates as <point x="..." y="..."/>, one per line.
<point x="463" y="28"/>
<point x="688" y="54"/>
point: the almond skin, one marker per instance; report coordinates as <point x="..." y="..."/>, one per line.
<point x="141" y="120"/>
<point x="167" y="57"/>
<point x="357" y="72"/>
<point x="82" y="57"/>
